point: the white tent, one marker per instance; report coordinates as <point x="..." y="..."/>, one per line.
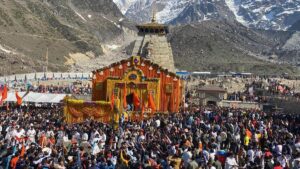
<point x="32" y="97"/>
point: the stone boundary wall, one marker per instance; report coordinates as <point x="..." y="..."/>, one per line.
<point x="240" y="104"/>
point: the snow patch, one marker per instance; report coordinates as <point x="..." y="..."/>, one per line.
<point x="80" y="16"/>
<point x="112" y="47"/>
<point x="233" y="5"/>
<point x="5" y="50"/>
<point x="288" y="12"/>
<point x="112" y="22"/>
<point x="123" y="5"/>
<point x="171" y="10"/>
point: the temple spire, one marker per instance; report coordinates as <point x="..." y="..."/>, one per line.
<point x="153" y="20"/>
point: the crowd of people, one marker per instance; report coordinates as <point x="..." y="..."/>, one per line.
<point x="77" y="88"/>
<point x="60" y="89"/>
<point x="203" y="137"/>
<point x="262" y="90"/>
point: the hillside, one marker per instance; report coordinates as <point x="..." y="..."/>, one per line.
<point x="29" y="27"/>
<point x="224" y="46"/>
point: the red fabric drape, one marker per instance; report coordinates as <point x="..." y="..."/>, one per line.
<point x="136" y="100"/>
<point x="151" y="103"/>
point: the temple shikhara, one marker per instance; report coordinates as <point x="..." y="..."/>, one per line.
<point x="137" y="87"/>
<point x="153" y="45"/>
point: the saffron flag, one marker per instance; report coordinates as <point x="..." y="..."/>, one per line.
<point x="124" y="98"/>
<point x="4" y="94"/>
<point x="112" y="101"/>
<point x="23" y="150"/>
<point x="136" y="100"/>
<point x="19" y="98"/>
<point x="151" y="103"/>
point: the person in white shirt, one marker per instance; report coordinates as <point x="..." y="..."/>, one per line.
<point x="94" y="133"/>
<point x="250" y="154"/>
<point x="278" y="149"/>
<point x="157" y="123"/>
<point x="258" y="153"/>
<point x="230" y="162"/>
<point x="31" y="135"/>
<point x="0" y="129"/>
<point x="20" y="133"/>
<point x="102" y="139"/>
<point x="94" y="144"/>
<point x="49" y="133"/>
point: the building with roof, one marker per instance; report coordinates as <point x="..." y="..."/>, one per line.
<point x="211" y="95"/>
<point x="140" y="78"/>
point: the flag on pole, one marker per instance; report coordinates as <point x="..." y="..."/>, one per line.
<point x="19" y="99"/>
<point x="4" y="94"/>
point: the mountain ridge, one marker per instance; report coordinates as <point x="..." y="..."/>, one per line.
<point x="83" y="35"/>
<point x="62" y="26"/>
<point x="260" y="14"/>
<point x="222" y="46"/>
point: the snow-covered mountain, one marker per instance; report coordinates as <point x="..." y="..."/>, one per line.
<point x="266" y="14"/>
<point x="263" y="14"/>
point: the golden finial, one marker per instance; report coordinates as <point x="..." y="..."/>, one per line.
<point x="153" y="20"/>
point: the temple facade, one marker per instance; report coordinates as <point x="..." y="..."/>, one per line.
<point x="134" y="82"/>
<point x="152" y="44"/>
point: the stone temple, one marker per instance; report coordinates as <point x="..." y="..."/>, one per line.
<point x="152" y="44"/>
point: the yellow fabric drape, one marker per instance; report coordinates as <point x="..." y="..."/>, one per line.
<point x="77" y="111"/>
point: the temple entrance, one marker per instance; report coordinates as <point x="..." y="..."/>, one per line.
<point x="129" y="101"/>
<point x="211" y="103"/>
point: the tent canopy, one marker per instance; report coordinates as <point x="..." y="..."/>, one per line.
<point x="33" y="97"/>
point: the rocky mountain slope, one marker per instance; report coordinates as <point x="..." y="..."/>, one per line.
<point x="225" y="46"/>
<point x="262" y="14"/>
<point x="29" y="27"/>
<point x="82" y="35"/>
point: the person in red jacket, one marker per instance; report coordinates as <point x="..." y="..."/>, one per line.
<point x="277" y="165"/>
